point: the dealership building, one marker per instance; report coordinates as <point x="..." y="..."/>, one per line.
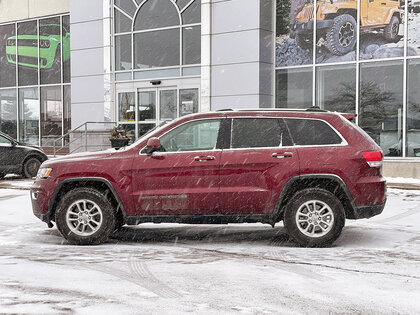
<point x="84" y="66"/>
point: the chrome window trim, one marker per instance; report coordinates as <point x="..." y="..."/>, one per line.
<point x="184" y="123"/>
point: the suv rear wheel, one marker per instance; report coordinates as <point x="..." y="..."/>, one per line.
<point x="314" y="217"/>
<point x="85" y="216"/>
<point x="342" y="35"/>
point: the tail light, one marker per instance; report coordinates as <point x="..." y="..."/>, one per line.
<point x="373" y="158"/>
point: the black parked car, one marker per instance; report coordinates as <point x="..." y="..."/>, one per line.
<point x="18" y="158"/>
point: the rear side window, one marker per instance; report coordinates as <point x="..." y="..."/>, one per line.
<point x="259" y="133"/>
<point x="312" y="132"/>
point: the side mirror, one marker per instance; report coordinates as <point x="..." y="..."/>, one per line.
<point x="153" y="144"/>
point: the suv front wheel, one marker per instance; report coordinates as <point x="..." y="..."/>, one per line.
<point x="392" y="29"/>
<point x="342" y="35"/>
<point x="85" y="216"/>
<point x="314" y="217"/>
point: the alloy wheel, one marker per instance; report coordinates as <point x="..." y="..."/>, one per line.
<point x="84" y="217"/>
<point x="346" y="34"/>
<point x="314" y="218"/>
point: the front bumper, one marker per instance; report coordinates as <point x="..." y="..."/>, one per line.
<point x="309" y="26"/>
<point x="40" y="198"/>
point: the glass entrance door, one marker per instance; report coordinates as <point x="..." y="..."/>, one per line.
<point x="153" y="106"/>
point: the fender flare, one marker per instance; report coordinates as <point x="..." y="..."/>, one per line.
<point x="57" y="189"/>
<point x="391" y="14"/>
<point x="278" y="211"/>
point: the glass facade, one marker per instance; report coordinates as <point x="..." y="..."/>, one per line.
<point x="355" y="56"/>
<point x="34" y="80"/>
<point x="157" y="39"/>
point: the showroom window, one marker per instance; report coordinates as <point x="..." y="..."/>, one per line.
<point x="353" y="56"/>
<point x="35" y="79"/>
<point x="157" y="39"/>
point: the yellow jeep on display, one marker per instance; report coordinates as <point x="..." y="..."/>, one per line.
<point x="336" y="22"/>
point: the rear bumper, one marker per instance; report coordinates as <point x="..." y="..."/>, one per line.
<point x="369" y="211"/>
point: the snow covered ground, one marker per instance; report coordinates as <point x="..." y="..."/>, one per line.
<point x="250" y="268"/>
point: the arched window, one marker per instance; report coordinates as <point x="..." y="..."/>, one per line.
<point x="156" y="14"/>
<point x="156" y="34"/>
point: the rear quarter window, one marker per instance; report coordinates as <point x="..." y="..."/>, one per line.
<point x="259" y="133"/>
<point x="312" y="132"/>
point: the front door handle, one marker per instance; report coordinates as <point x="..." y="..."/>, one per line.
<point x="204" y="158"/>
<point x="282" y="155"/>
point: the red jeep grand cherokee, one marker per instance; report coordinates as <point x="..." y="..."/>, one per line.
<point x="312" y="169"/>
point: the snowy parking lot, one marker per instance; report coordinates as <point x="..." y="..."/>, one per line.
<point x="251" y="268"/>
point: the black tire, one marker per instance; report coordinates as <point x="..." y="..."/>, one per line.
<point x="66" y="209"/>
<point x="392" y="29"/>
<point x="304" y="41"/>
<point x="341" y="37"/>
<point x="334" y="213"/>
<point x="119" y="222"/>
<point x="31" y="167"/>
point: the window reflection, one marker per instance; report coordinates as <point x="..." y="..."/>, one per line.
<point x="157" y="49"/>
<point x="380" y="110"/>
<point x="413" y="109"/>
<point x="29" y="116"/>
<point x="294" y="88"/>
<point x="336" y="88"/>
<point x="67" y="109"/>
<point x="168" y="104"/>
<point x="188" y="101"/>
<point x="51" y="115"/>
<point x="8" y="112"/>
<point x="147" y="105"/>
<point x="126" y="105"/>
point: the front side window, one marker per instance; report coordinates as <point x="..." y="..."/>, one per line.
<point x="258" y="133"/>
<point x="4" y="140"/>
<point x="192" y="136"/>
<point x="312" y="132"/>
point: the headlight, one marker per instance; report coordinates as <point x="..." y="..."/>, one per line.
<point x="11" y="42"/>
<point x="44" y="43"/>
<point x="44" y="172"/>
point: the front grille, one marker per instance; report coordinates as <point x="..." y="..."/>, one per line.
<point x="308" y="13"/>
<point x="28" y="42"/>
<point x="28" y="60"/>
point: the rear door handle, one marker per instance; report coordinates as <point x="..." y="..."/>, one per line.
<point x="282" y="155"/>
<point x="204" y="158"/>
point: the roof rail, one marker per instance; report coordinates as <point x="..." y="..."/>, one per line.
<point x="316" y="109"/>
<point x="310" y="109"/>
